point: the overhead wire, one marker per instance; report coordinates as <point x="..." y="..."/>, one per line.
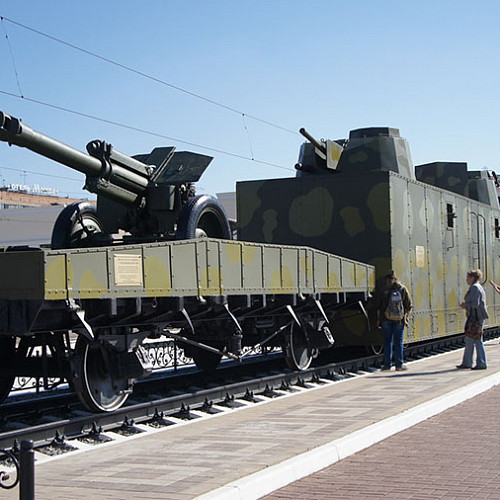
<point x="148" y="76"/>
<point x="12" y="56"/>
<point x="40" y="173"/>
<point x="141" y="130"/>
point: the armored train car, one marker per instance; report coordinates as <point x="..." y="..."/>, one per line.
<point x="362" y="198"/>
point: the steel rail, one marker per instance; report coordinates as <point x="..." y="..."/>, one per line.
<point x="140" y="412"/>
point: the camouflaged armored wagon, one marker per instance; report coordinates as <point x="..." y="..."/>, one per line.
<point x="363" y="198"/>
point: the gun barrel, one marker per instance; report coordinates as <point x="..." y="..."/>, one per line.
<point x="13" y="131"/>
<point x="312" y="140"/>
<point x="129" y="182"/>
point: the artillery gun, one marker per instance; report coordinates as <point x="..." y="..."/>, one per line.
<point x="146" y="198"/>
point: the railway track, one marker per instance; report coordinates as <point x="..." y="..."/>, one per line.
<point x="60" y="424"/>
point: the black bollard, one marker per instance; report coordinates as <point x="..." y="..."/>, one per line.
<point x="27" y="471"/>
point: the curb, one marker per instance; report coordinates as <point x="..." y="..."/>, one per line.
<point x="277" y="476"/>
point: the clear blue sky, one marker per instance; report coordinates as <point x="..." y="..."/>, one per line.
<point x="429" y="68"/>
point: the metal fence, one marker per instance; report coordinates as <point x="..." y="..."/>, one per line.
<point x="17" y="466"/>
<point x="163" y="354"/>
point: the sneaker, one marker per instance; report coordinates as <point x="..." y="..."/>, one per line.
<point x="463" y="367"/>
<point x="401" y="368"/>
<point x="479" y="368"/>
<point x="385" y="368"/>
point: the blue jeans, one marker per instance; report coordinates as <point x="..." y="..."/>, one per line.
<point x="469" y="352"/>
<point x="393" y="334"/>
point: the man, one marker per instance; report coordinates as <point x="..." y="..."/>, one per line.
<point x="392" y="313"/>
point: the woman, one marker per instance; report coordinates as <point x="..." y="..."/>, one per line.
<point x="475" y="307"/>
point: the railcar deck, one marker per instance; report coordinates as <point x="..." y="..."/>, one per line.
<point x="189" y="268"/>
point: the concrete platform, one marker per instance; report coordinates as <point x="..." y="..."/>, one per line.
<point x="271" y="444"/>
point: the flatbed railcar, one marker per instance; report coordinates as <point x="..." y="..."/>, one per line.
<point x="214" y="296"/>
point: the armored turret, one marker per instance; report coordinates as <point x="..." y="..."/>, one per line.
<point x="367" y="150"/>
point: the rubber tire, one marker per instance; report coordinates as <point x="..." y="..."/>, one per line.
<point x="66" y="220"/>
<point x="206" y="213"/>
<point x="205" y="360"/>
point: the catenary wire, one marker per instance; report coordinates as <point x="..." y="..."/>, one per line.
<point x="146" y="75"/>
<point x="40" y="173"/>
<point x="248" y="135"/>
<point x="141" y="130"/>
<point x="12" y="56"/>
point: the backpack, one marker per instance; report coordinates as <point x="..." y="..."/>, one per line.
<point x="395" y="309"/>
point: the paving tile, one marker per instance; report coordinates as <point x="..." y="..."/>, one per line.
<point x="455" y="454"/>
<point x="183" y="462"/>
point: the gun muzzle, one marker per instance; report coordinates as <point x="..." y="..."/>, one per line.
<point x="13" y="131"/>
<point x="321" y="146"/>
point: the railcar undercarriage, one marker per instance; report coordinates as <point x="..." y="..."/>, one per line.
<point x="98" y="349"/>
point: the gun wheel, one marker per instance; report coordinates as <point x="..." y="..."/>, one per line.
<point x="95" y="387"/>
<point x="201" y="217"/>
<point x="298" y="354"/>
<point x="76" y="226"/>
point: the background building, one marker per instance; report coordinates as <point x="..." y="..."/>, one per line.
<point x="228" y="201"/>
<point x="27" y="218"/>
<point x="22" y="199"/>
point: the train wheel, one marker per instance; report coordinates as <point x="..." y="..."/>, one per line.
<point x="201" y="217"/>
<point x="298" y="354"/>
<point x="206" y="360"/>
<point x="75" y="226"/>
<point x="7" y="359"/>
<point x="95" y="387"/>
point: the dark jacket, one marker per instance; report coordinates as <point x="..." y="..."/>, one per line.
<point x="385" y="294"/>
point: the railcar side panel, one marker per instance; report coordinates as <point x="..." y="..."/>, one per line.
<point x="430" y="236"/>
<point x="191" y="268"/>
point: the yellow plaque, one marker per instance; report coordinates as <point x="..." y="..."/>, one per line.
<point x="128" y="270"/>
<point x="420" y="256"/>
